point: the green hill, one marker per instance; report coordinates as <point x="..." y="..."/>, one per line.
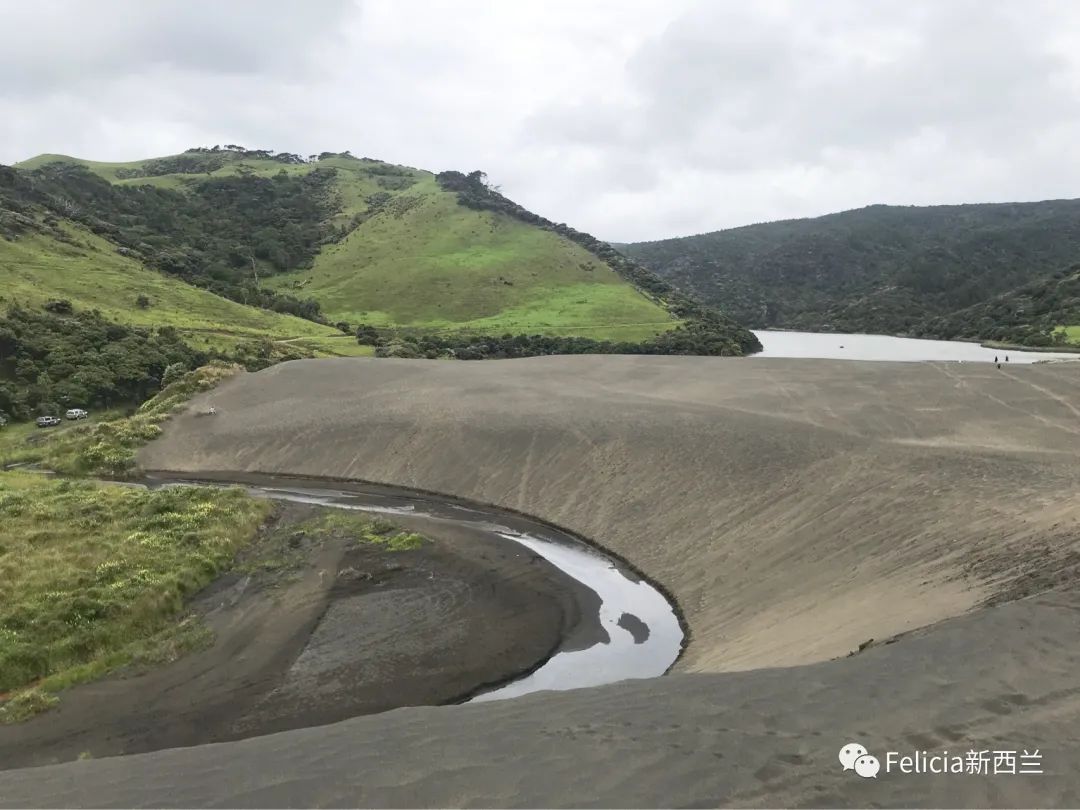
<point x="416" y="258"/>
<point x="45" y="256"/>
<point x="86" y="270"/>
<point x="339" y="239"/>
<point x="890" y="269"/>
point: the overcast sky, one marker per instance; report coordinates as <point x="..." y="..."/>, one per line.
<point x="631" y="119"/>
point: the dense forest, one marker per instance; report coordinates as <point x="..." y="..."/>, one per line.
<point x="220" y="233"/>
<point x="695" y="338"/>
<point x="886" y="269"/>
<point x="473" y="191"/>
<point x="1029" y="315"/>
<point x="57" y="359"/>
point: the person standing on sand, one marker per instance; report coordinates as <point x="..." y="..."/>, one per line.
<point x="995" y="358"/>
<point x="1006" y="358"/>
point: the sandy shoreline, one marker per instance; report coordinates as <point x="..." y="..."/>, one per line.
<point x="796" y="510"/>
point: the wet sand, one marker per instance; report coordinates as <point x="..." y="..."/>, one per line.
<point x="797" y="510"/>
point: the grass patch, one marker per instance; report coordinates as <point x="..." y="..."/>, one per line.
<point x="363" y="529"/>
<point x="333" y="346"/>
<point x="108" y="448"/>
<point x="94" y="577"/>
<point x="1072" y="334"/>
<point x="425" y="261"/>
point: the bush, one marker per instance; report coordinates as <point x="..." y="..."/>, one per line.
<point x="173" y="372"/>
<point x="367" y="335"/>
<point x="107" y="449"/>
<point x="399" y="348"/>
<point x="59" y="307"/>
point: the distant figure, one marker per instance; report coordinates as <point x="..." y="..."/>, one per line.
<point x="1006" y="358"/>
<point x="999" y="365"/>
<point x="995" y="358"/>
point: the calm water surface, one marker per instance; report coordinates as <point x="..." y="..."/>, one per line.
<point x="636" y="633"/>
<point x="883" y="347"/>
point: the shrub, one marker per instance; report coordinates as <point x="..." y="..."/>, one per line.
<point x="59" y="307"/>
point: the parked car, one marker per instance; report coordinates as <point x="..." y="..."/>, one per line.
<point x="3" y="421"/>
<point x="47" y="421"/>
<point x="76" y="413"/>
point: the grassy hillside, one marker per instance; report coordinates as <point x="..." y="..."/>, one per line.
<point x="45" y="256"/>
<point x="88" y="271"/>
<point x="422" y="260"/>
<point x="411" y="256"/>
<point x="878" y="269"/>
<point x="351" y="241"/>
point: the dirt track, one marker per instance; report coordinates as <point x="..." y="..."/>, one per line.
<point x="796" y="509"/>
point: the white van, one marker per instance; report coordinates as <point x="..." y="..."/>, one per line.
<point x="76" y="413"/>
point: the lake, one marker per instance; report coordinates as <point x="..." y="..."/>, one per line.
<point x="883" y="347"/>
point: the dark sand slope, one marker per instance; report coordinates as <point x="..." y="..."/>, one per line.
<point x="767" y="738"/>
<point x="795" y="509"/>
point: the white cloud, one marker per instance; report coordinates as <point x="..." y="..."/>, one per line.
<point x="631" y="120"/>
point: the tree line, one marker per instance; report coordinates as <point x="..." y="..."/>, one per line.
<point x="690" y="339"/>
<point x="56" y="359"/>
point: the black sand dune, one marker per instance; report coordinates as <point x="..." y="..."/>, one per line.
<point x="795" y="509"/>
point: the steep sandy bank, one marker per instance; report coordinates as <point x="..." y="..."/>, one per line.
<point x="794" y="508"/>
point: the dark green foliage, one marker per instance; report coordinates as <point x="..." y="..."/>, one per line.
<point x="58" y="307"/>
<point x="473" y="191"/>
<point x="187" y="163"/>
<point x="17" y="209"/>
<point x="699" y="338"/>
<point x="55" y="362"/>
<point x="173" y="372"/>
<point x="201" y="160"/>
<point x="898" y="270"/>
<point x="367" y="335"/>
<point x="142" y="302"/>
<point x="1026" y="316"/>
<point x="221" y="233"/>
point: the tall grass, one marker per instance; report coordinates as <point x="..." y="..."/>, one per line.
<point x="94" y="576"/>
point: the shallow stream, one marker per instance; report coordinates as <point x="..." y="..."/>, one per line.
<point x="634" y="634"/>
